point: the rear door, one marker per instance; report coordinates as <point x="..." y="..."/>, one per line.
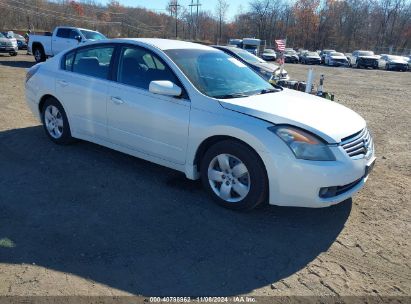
<point x="150" y="123"/>
<point x="82" y="86"/>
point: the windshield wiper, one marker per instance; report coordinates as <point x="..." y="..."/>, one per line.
<point x="266" y="91"/>
<point x="234" y="95"/>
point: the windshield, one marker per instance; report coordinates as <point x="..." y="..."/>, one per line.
<point x="247" y="56"/>
<point x="2" y="36"/>
<point x="366" y="53"/>
<point x="217" y="74"/>
<point x="92" y="35"/>
<point x="250" y="47"/>
<point x="336" y="54"/>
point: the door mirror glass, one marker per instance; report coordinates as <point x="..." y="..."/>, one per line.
<point x="164" y="87"/>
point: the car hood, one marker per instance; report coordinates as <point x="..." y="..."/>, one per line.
<point x="398" y="61"/>
<point x="368" y="57"/>
<point x="338" y="57"/>
<point x="266" y="66"/>
<point x="329" y="120"/>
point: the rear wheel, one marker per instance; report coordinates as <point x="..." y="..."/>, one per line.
<point x="234" y="175"/>
<point x="39" y="55"/>
<point x="13" y="54"/>
<point x="55" y="122"/>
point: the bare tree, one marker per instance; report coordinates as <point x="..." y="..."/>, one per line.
<point x="221" y="11"/>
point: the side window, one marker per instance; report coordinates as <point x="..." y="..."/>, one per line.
<point x="67" y="63"/>
<point x="138" y="67"/>
<point x="73" y="34"/>
<point x="93" y="61"/>
<point x="63" y="33"/>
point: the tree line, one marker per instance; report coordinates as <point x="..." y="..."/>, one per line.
<point x="345" y="25"/>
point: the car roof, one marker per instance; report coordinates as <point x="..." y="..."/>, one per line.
<point x="167" y="44"/>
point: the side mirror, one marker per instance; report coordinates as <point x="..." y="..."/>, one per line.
<point x="164" y="87"/>
<point x="78" y="38"/>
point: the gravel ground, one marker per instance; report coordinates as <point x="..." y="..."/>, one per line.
<point x="86" y="220"/>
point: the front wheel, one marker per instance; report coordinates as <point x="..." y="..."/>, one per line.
<point x="55" y="122"/>
<point x="234" y="175"/>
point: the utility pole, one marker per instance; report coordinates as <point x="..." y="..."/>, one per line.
<point x="174" y="6"/>
<point x="197" y="5"/>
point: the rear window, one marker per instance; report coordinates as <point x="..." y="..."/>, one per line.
<point x="93" y="61"/>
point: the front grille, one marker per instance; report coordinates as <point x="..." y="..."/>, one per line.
<point x="340" y="60"/>
<point x="358" y="144"/>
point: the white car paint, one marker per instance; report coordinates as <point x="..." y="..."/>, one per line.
<point x="169" y="131"/>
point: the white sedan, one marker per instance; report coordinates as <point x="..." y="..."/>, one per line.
<point x="198" y="110"/>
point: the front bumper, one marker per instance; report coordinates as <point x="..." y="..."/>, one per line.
<point x="339" y="63"/>
<point x="368" y="63"/>
<point x="398" y="66"/>
<point x="297" y="183"/>
<point x="313" y="61"/>
<point x="8" y="49"/>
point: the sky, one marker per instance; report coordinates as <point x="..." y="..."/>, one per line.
<point x="208" y="5"/>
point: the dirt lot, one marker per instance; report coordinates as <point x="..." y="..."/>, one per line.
<point x="86" y="220"/>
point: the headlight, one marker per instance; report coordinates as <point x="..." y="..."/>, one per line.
<point x="303" y="144"/>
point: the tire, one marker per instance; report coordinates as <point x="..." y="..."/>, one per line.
<point x="39" y="55"/>
<point x="55" y="122"/>
<point x="386" y="67"/>
<point x="250" y="180"/>
<point x="13" y="54"/>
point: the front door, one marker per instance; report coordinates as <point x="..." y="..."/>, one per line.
<point x="150" y="123"/>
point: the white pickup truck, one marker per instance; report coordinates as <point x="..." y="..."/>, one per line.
<point x="62" y="38"/>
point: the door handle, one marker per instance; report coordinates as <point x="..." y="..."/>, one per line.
<point x="62" y="83"/>
<point x="117" y="100"/>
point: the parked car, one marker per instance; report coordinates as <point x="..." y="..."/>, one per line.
<point x="21" y="41"/>
<point x="300" y="53"/>
<point x="408" y="59"/>
<point x="393" y="63"/>
<point x="364" y="59"/>
<point x="269" y="55"/>
<point x="198" y="110"/>
<point x="291" y="56"/>
<point x="265" y="69"/>
<point x="8" y="45"/>
<point x="336" y="59"/>
<point x="62" y="38"/>
<point x="310" y="58"/>
<point x="324" y="53"/>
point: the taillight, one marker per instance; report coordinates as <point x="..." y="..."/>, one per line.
<point x="32" y="71"/>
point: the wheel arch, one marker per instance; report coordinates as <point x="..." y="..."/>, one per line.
<point x="37" y="45"/>
<point x="208" y="142"/>
<point x="43" y="100"/>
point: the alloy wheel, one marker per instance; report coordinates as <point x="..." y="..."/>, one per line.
<point x="53" y="121"/>
<point x="229" y="178"/>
